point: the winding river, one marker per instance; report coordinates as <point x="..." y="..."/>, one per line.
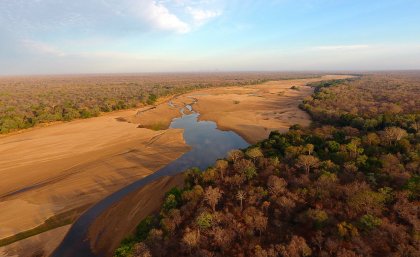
<point x="208" y="144"/>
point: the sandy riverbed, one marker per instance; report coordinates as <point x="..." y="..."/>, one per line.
<point x="251" y="111"/>
<point x="39" y="245"/>
<point x="74" y="164"/>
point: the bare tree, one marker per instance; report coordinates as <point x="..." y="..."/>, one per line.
<point x="237" y="180"/>
<point x="393" y="134"/>
<point x="309" y="148"/>
<point x="212" y="196"/>
<point x="307" y="162"/>
<point x="221" y="166"/>
<point x="260" y="223"/>
<point x="276" y="185"/>
<point x="241" y="195"/>
<point x="223" y="237"/>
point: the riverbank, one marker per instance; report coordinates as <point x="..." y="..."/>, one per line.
<point x="98" y="230"/>
<point x="251" y="111"/>
<point x="106" y="233"/>
<point x="49" y="171"/>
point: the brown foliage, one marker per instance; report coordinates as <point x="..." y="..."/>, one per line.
<point x="212" y="196"/>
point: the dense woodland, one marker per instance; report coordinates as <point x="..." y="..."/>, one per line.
<point x="28" y="101"/>
<point x="347" y="186"/>
<point x="371" y="103"/>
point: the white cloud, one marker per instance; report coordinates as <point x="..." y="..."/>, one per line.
<point x="340" y="47"/>
<point x="166" y="15"/>
<point x="200" y="16"/>
<point x="159" y="17"/>
<point x="105" y="17"/>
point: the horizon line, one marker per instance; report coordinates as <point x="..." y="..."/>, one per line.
<point x="87" y="74"/>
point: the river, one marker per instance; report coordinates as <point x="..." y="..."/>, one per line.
<point x="208" y="144"/>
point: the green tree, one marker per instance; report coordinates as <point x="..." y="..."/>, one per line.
<point x="204" y="220"/>
<point x="170" y="203"/>
<point x="368" y="222"/>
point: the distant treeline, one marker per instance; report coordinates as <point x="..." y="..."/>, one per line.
<point x="28" y="101"/>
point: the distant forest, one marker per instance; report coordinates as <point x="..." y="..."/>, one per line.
<point x="347" y="186"/>
<point x="28" y="101"/>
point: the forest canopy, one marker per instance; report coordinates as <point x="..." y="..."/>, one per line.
<point x="338" y="188"/>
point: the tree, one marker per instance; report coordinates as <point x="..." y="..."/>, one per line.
<point x="318" y="217"/>
<point x="260" y="223"/>
<point x="237" y="180"/>
<point x="346" y="253"/>
<point x="255" y="219"/>
<point x="297" y="247"/>
<point x="204" y="220"/>
<point x="254" y="153"/>
<point x="219" y="236"/>
<point x="246" y="167"/>
<point x="353" y="148"/>
<point x="265" y="206"/>
<point x="362" y="200"/>
<point x="209" y="175"/>
<point x="191" y="238"/>
<point x="212" y="196"/>
<point x="307" y="162"/>
<point x="369" y="222"/>
<point x="170" y="202"/>
<point x="393" y="134"/>
<point x="172" y="221"/>
<point x="223" y="237"/>
<point x="309" y="148"/>
<point x="141" y="250"/>
<point x="347" y="230"/>
<point x="221" y="166"/>
<point x="372" y="139"/>
<point x="413" y="186"/>
<point x="250" y="172"/>
<point x="194" y="194"/>
<point x="235" y="155"/>
<point x="276" y="185"/>
<point x="333" y="146"/>
<point x="241" y="195"/>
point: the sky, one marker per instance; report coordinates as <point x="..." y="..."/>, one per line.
<point x="129" y="36"/>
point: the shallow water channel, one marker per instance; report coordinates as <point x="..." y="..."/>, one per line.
<point x="208" y="144"/>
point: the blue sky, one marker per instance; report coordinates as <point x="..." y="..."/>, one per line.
<point x="100" y="36"/>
